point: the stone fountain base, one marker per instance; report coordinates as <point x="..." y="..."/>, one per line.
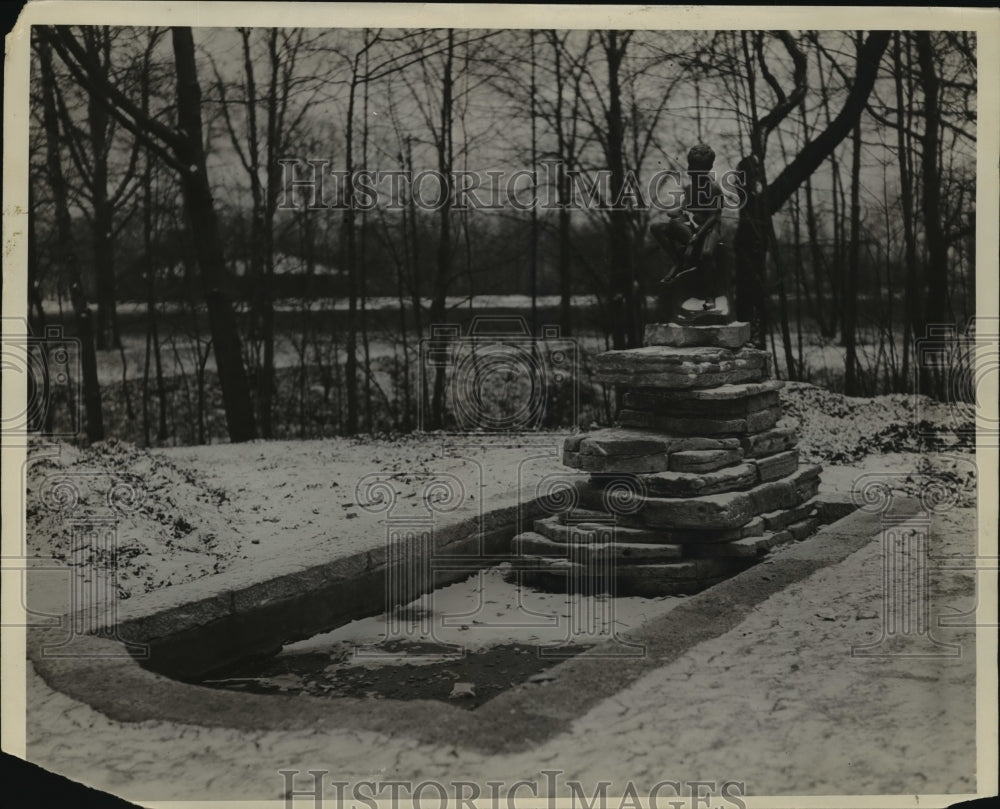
<point x="699" y="479"/>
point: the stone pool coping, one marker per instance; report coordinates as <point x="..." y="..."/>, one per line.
<point x="118" y="686"/>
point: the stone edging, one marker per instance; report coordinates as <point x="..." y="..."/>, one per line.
<point x="518" y="719"/>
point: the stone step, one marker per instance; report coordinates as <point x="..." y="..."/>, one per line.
<point x="808" y="488"/>
<point x="651" y="580"/>
<point x="578" y="515"/>
<point x="746" y="548"/>
<point x="705" y="460"/>
<point x="722" y="393"/>
<point x="730" y="509"/>
<point x="621" y="450"/>
<point x="701" y="426"/>
<point x="591" y="496"/>
<point x="641" y="586"/>
<point x="560" y="530"/>
<point x="531" y="543"/>
<point x="777" y="520"/>
<point x="688" y="484"/>
<point x="736" y="401"/>
<point x="731" y="335"/>
<point x="679" y="368"/>
<point x="737" y="477"/>
<point x="668" y="356"/>
<point x="779" y="438"/>
<point x="803" y="529"/>
<point x="794" y="530"/>
<point x="776" y="466"/>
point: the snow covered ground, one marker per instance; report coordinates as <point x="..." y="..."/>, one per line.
<point x="783" y="714"/>
<point x="204" y="509"/>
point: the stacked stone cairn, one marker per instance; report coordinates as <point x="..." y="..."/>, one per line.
<point x="699" y="479"/>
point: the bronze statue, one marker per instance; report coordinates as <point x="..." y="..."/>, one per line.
<point x="694" y="289"/>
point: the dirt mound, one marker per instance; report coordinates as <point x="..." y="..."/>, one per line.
<point x="169" y="526"/>
<point x="838" y="429"/>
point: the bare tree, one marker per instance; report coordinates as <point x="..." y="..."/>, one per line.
<point x="764" y="197"/>
<point x="854" y="258"/>
<point x="183" y="150"/>
<point x="259" y="149"/>
<point x="66" y="249"/>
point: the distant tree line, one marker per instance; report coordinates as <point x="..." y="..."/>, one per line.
<point x="156" y="178"/>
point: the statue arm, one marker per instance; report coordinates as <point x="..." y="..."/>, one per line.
<point x="707" y="225"/>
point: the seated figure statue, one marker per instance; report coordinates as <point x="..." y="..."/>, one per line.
<point x="693" y="290"/>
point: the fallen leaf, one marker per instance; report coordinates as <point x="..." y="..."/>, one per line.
<point x="460" y="690"/>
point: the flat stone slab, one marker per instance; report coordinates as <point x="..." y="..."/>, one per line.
<point x="701" y="518"/>
<point x="807" y="488"/>
<point x="746" y="548"/>
<point x="638" y="451"/>
<point x="719" y="394"/>
<point x="690" y="367"/>
<point x="617" y="441"/>
<point x="653" y="579"/>
<point x="637" y="464"/>
<point x="631" y="528"/>
<point x="706" y="460"/>
<point x="776" y="466"/>
<point x="626" y="584"/>
<point x="693" y="484"/>
<point x="731" y="335"/>
<point x="804" y="528"/>
<point x="731" y="509"/>
<point x="777" y="520"/>
<point x="769" y="442"/>
<point x="559" y="529"/>
<point x="695" y="403"/>
<point x="530" y="543"/>
<point x="669" y="356"/>
<point x="700" y="425"/>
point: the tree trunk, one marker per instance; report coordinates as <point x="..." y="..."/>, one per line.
<point x="198" y="205"/>
<point x="445" y="154"/>
<point x="101" y="224"/>
<point x="66" y="250"/>
<point x="36" y="311"/>
<point x="533" y="259"/>
<point x="786" y="334"/>
<point x="817" y="150"/>
<point x="626" y="330"/>
<point x="363" y="257"/>
<point x="412" y="246"/>
<point x="827" y="327"/>
<point x="854" y="258"/>
<point x="750" y="245"/>
<point x="351" y="266"/>
<point x="936" y="273"/>
<point x="750" y="242"/>
<point x="563" y="192"/>
<point x="266" y="381"/>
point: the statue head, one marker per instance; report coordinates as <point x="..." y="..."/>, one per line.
<point x="701" y="157"/>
